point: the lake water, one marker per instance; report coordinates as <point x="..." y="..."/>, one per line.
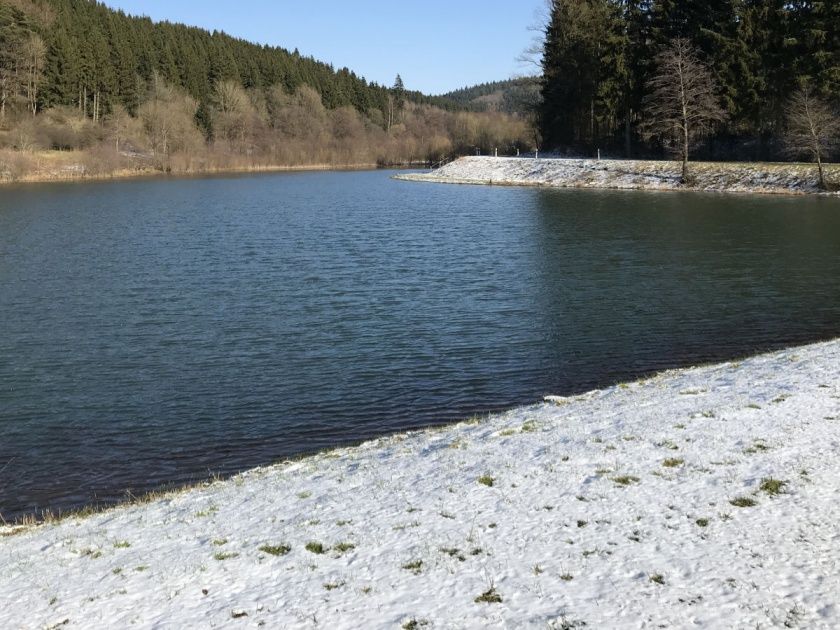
<point x="156" y="331"/>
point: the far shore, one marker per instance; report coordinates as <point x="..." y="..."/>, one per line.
<point x="741" y="177"/>
<point x="68" y="171"/>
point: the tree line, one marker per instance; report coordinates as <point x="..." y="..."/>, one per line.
<point x="75" y="74"/>
<point x="608" y="66"/>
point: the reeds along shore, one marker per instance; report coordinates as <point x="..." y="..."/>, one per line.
<point x="84" y="166"/>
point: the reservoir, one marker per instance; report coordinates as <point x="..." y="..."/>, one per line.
<point x="159" y="331"/>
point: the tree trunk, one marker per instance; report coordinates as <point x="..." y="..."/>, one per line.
<point x="822" y="174"/>
<point x="627" y="148"/>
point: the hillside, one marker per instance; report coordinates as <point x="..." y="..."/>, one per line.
<point x="99" y="57"/>
<point x="127" y="94"/>
<point x="513" y="96"/>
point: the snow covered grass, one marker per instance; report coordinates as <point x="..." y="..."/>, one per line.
<point x="703" y="497"/>
<point x="761" y="177"/>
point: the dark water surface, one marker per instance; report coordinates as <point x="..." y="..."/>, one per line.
<point x="152" y="331"/>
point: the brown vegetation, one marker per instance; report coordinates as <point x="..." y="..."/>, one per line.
<point x="249" y="130"/>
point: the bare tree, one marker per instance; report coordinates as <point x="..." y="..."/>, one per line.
<point x="168" y="118"/>
<point x="813" y="128"/>
<point x="120" y="125"/>
<point x="682" y="99"/>
<point x="531" y="55"/>
<point x="10" y="61"/>
<point x="232" y="106"/>
<point x="33" y="54"/>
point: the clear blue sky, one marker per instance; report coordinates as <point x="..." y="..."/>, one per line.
<point x="436" y="45"/>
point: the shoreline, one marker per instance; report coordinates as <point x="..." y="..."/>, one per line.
<point x="646" y="502"/>
<point x="129" y="175"/>
<point x="607" y="174"/>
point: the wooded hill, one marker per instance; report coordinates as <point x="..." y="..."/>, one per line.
<point x="600" y="56"/>
<point x="97" y="55"/>
<point x="514" y="96"/>
<point x="75" y="74"/>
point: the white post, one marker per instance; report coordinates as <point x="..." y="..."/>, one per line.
<point x="537" y="154"/>
<point x="496" y="152"/>
<point x="517" y="151"/>
<point x="599" y="155"/>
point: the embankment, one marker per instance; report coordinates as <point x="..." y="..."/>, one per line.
<point x="703" y="497"/>
<point x="778" y="178"/>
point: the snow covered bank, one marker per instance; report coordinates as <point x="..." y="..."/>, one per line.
<point x="628" y="174"/>
<point x="704" y="497"/>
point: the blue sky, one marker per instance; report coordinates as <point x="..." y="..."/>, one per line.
<point x="436" y="45"/>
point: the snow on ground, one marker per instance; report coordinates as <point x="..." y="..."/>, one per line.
<point x="707" y="497"/>
<point x="628" y="174"/>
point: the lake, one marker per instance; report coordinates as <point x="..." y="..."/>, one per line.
<point x="157" y="331"/>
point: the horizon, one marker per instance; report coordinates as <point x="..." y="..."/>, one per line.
<point x="479" y="41"/>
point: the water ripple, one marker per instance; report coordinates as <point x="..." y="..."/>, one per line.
<point x="155" y="331"/>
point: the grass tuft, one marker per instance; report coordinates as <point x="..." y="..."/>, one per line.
<point x="221" y="555"/>
<point x="625" y="480"/>
<point x="453" y="552"/>
<point x="486" y="480"/>
<point x="743" y="502"/>
<point x="344" y="547"/>
<point x="673" y="462"/>
<point x="315" y="547"/>
<point x="489" y="597"/>
<point x="276" y="550"/>
<point x="772" y="487"/>
<point x="529" y="427"/>
<point x="415" y="566"/>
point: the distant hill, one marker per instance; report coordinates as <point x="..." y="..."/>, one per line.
<point x="96" y="57"/>
<point x="512" y="96"/>
<point x="126" y="93"/>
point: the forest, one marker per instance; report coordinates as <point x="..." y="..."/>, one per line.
<point x="600" y="61"/>
<point x="125" y="92"/>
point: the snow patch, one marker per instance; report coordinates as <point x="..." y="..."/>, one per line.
<point x="642" y="505"/>
<point x="627" y="174"/>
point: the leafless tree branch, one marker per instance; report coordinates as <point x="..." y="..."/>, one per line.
<point x="682" y="103"/>
<point x="813" y="128"/>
